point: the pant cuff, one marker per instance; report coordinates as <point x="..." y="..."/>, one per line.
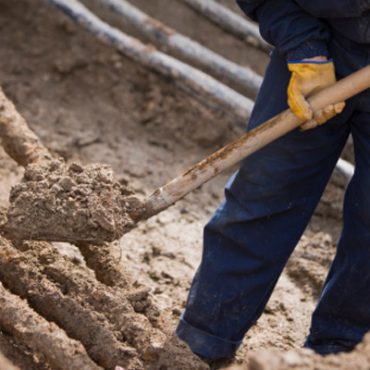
<point x="328" y="349"/>
<point x="204" y="344"/>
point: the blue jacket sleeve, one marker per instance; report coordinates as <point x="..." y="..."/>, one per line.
<point x="295" y="33"/>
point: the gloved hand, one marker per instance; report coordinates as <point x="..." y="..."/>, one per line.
<point x="309" y="77"/>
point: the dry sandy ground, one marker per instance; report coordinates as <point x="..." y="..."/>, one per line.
<point x="88" y="103"/>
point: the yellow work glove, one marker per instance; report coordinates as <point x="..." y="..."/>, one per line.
<point x="309" y="77"/>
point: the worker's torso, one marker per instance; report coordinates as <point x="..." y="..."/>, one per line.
<point x="343" y="17"/>
<point x="355" y="29"/>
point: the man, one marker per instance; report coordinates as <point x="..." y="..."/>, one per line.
<point x="272" y="197"/>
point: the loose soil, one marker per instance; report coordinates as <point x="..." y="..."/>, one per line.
<point x="44" y="337"/>
<point x="121" y="302"/>
<point x="71" y="203"/>
<point x="304" y="359"/>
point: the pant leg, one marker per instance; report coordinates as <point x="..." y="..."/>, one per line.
<point x="248" y="240"/>
<point x="342" y="316"/>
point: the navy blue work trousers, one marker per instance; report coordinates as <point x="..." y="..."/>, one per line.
<point x="268" y="204"/>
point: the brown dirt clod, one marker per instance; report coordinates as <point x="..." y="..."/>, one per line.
<point x="107" y="262"/>
<point x="71" y="203"/>
<point x="17" y="318"/>
<point x="55" y="304"/>
<point x="102" y="318"/>
<point x="303" y="359"/>
<point x="81" y="285"/>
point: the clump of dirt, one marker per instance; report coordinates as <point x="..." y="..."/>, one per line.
<point x="56" y="305"/>
<point x="72" y="203"/>
<point x="102" y="318"/>
<point x="105" y="261"/>
<point x="304" y="359"/>
<point x="177" y="356"/>
<point x="40" y="335"/>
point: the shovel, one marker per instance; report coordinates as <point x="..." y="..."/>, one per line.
<point x="56" y="202"/>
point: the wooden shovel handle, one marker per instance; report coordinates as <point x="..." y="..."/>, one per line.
<point x="250" y="142"/>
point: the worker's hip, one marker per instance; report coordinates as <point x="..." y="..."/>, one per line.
<point x="349" y="57"/>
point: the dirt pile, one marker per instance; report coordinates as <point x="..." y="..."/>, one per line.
<point x="358" y="359"/>
<point x="18" y="318"/>
<point x="71" y="203"/>
<point x="100" y="318"/>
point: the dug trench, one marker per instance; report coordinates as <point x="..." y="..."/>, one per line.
<point x="118" y="303"/>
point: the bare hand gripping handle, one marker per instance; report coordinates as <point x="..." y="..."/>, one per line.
<point x="250" y="142"/>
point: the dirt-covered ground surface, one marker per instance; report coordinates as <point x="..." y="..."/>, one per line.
<point x="89" y="104"/>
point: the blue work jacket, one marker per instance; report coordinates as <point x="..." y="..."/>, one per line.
<point x="302" y="28"/>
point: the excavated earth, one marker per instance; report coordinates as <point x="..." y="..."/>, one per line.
<point x="71" y="203"/>
<point x="108" y="306"/>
